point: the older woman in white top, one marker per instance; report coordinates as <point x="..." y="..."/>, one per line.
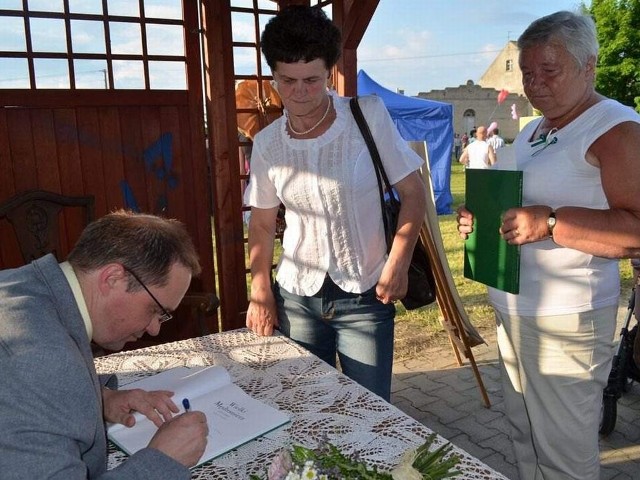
<point x="580" y="214"/>
<point x="335" y="284"/>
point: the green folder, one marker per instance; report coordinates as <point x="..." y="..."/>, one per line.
<point x="488" y="258"/>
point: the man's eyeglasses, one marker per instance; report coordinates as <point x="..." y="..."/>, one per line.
<point x="165" y="316"/>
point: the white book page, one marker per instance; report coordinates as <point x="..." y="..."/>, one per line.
<point x="185" y="382"/>
<point x="233" y="416"/>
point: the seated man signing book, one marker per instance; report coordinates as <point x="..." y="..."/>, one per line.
<point x="123" y="278"/>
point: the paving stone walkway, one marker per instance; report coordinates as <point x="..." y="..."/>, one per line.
<point x="433" y="389"/>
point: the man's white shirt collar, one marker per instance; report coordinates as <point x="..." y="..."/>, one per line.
<point x="67" y="269"/>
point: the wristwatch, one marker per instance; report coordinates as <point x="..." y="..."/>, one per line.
<point x="551" y="222"/>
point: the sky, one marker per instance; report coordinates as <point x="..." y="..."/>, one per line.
<point x="423" y="45"/>
<point x="410" y="45"/>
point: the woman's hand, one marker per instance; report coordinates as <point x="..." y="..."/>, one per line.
<point x="393" y="282"/>
<point x="465" y="222"/>
<point x="156" y="405"/>
<point x="525" y="225"/>
<point x="262" y="315"/>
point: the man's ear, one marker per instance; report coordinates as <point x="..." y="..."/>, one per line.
<point x="112" y="276"/>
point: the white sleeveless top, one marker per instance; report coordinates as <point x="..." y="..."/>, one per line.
<point x="329" y="188"/>
<point x="555" y="280"/>
<point x="478" y="154"/>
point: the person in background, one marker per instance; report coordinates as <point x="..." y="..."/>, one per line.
<point x="465" y="140"/>
<point x="479" y="154"/>
<point x="335" y="283"/>
<point x="52" y="404"/>
<point x="495" y="140"/>
<point x="580" y="215"/>
<point x="457" y="145"/>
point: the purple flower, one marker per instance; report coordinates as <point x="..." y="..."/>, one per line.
<point x="280" y="466"/>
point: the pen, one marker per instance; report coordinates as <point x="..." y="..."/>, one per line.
<point x="186" y="404"/>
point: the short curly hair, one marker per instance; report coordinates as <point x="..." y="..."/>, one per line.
<point x="301" y="33"/>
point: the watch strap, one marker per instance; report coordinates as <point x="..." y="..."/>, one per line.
<point x="551" y="222"/>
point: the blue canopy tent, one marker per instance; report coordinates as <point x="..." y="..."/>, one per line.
<point x="419" y="120"/>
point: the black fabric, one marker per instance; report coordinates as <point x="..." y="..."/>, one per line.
<point x="421" y="288"/>
<point x="633" y="371"/>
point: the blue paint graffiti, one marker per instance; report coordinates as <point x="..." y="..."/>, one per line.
<point x="130" y="202"/>
<point x="161" y="149"/>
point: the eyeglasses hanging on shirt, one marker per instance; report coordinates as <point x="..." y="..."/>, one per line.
<point x="544" y="141"/>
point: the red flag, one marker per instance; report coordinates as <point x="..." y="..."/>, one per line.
<point x="502" y="96"/>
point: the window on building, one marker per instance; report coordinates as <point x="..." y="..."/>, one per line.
<point x="509" y="65"/>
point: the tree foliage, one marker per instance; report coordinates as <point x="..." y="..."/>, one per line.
<point x="618" y="71"/>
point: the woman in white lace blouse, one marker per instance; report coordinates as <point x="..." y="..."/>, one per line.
<point x="335" y="284"/>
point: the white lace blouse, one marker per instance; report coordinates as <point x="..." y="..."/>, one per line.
<point x="329" y="188"/>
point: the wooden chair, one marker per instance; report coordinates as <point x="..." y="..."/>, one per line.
<point x="34" y="215"/>
<point x="35" y="218"/>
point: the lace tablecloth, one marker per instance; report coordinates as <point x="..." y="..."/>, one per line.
<point x="320" y="401"/>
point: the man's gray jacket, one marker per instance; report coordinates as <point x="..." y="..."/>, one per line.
<point x="51" y="423"/>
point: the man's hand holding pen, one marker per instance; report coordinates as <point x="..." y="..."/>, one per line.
<point x="182" y="437"/>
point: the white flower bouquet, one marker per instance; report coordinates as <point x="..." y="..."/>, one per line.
<point x="327" y="462"/>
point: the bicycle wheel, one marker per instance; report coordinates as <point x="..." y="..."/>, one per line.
<point x="608" y="415"/>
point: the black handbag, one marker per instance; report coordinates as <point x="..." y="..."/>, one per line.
<point x="421" y="288"/>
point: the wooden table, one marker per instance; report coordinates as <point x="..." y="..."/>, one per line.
<point x="321" y="402"/>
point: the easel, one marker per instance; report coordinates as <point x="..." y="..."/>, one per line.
<point x="463" y="336"/>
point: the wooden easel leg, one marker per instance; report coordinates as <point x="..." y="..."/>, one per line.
<point x="476" y="373"/>
<point x="466" y="350"/>
<point x="456" y="352"/>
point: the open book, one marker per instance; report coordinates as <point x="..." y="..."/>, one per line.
<point x="233" y="416"/>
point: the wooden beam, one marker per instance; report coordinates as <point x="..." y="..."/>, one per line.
<point x="225" y="171"/>
<point x="357" y="15"/>
<point x="352" y="18"/>
<point x="199" y="194"/>
<point x="55" y="98"/>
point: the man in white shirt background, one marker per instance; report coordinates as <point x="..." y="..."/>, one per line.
<point x="479" y="154"/>
<point x="495" y="140"/>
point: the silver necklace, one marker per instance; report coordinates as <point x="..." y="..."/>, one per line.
<point x="326" y="112"/>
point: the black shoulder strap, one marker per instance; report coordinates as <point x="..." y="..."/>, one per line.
<point x="383" y="180"/>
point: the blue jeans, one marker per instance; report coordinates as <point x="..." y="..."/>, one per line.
<point x="355" y="326"/>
